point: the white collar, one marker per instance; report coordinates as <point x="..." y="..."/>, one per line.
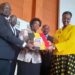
<point x="7" y="18"/>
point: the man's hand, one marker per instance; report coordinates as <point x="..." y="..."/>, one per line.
<point x="51" y="48"/>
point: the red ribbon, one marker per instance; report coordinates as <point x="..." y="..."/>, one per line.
<point x="45" y="40"/>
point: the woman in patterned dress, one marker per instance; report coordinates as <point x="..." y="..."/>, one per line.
<point x="63" y="58"/>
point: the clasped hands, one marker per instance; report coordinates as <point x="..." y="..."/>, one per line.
<point x="51" y="48"/>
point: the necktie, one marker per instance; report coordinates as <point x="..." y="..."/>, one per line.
<point x="14" y="31"/>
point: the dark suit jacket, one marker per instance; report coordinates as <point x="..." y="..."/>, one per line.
<point x="46" y="59"/>
<point x="9" y="43"/>
<point x="50" y="38"/>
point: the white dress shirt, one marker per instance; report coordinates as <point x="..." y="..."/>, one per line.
<point x="13" y="30"/>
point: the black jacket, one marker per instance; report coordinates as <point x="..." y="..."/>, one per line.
<point x="9" y="43"/>
<point x="50" y="38"/>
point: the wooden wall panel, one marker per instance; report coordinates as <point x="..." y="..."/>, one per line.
<point x="17" y="7"/>
<point x="46" y="10"/>
<point x="27" y="10"/>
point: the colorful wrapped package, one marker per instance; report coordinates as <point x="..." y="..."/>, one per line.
<point x="41" y="41"/>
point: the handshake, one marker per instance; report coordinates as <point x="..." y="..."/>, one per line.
<point x="31" y="46"/>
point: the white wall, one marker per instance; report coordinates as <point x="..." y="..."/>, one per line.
<point x="66" y="5"/>
<point x="21" y="24"/>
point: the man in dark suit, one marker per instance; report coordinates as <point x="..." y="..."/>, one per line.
<point x="9" y="43"/>
<point x="46" y="55"/>
<point x="46" y="30"/>
<point x="12" y="23"/>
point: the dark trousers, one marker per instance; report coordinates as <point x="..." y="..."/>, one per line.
<point x="45" y="66"/>
<point x="7" y="67"/>
<point x="28" y="68"/>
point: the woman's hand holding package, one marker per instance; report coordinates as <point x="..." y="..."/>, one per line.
<point x="51" y="48"/>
